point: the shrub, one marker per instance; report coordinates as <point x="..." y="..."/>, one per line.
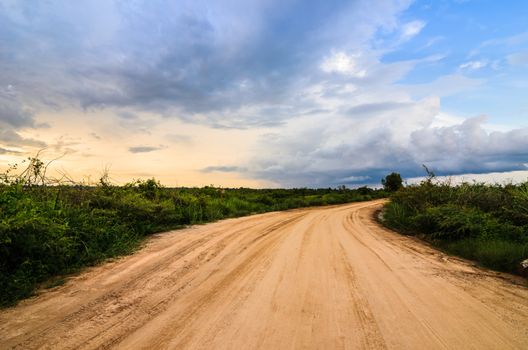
<point x="487" y="223"/>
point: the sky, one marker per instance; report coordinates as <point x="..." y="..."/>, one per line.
<point x="266" y="93"/>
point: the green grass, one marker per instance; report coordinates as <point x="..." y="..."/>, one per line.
<point x="49" y="231"/>
<point x="494" y="254"/>
<point x="485" y="223"/>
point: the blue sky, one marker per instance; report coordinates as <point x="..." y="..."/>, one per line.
<point x="266" y="93"/>
<point x="481" y="35"/>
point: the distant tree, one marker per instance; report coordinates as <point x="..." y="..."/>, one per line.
<point x="392" y="182"/>
<point x="364" y="190"/>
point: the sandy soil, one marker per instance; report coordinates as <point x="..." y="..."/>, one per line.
<point x="324" y="278"/>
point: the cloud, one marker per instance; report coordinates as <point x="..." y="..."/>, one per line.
<point x="14" y="116"/>
<point x="363" y="150"/>
<point x="224" y="169"/>
<point x="12" y="113"/>
<point x="432" y="41"/>
<point x="127" y="115"/>
<point x="9" y="151"/>
<point x="229" y="66"/>
<point x="373" y="109"/>
<point x="179" y="139"/>
<point x="144" y="149"/>
<point x="473" y="65"/>
<point x="353" y="179"/>
<point x="502" y="47"/>
<point x="316" y="73"/>
<point x="320" y="151"/>
<point x="411" y="29"/>
<point x="518" y="59"/>
<point x="65" y="144"/>
<point x="446" y="85"/>
<point x="340" y="62"/>
<point x="9" y="137"/>
<point x="469" y="148"/>
<point x="513" y="40"/>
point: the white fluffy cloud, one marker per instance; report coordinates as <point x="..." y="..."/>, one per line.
<point x="340" y="62"/>
<point x="412" y="28"/>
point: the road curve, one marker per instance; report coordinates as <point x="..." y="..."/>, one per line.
<point x="322" y="278"/>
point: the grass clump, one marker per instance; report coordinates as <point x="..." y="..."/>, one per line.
<point x="48" y="230"/>
<point x="485" y="223"/>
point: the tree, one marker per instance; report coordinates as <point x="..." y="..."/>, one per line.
<point x="392" y="182"/>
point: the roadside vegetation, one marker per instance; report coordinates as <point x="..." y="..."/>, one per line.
<point x="48" y="229"/>
<point x="484" y="223"/>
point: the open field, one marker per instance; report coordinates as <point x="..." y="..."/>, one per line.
<point x="326" y="278"/>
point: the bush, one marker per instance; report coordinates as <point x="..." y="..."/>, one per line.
<point x="487" y="223"/>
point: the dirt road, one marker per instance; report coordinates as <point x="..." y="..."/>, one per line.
<point x="324" y="278"/>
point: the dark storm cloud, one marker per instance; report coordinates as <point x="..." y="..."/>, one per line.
<point x="469" y="148"/>
<point x="462" y="148"/>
